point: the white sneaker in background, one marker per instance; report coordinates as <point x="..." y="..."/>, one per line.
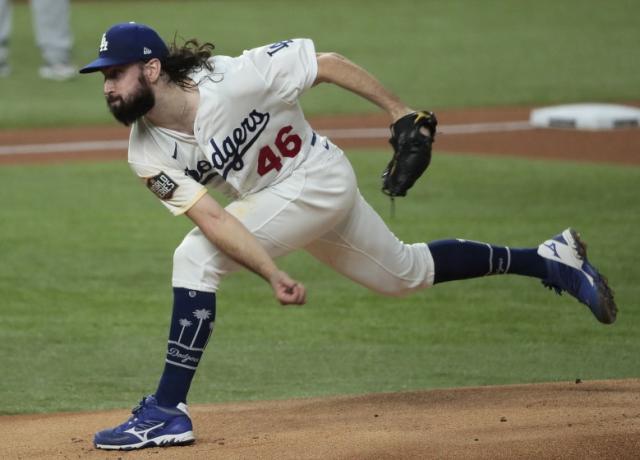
<point x="5" y="70"/>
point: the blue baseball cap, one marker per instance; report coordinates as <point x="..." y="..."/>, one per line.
<point x="126" y="43"/>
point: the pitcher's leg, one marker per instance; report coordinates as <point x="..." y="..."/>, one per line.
<point x="283" y="218"/>
<point x="458" y="259"/>
<point x="365" y="250"/>
<point x="559" y="262"/>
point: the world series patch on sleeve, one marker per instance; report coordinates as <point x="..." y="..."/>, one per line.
<point x="162" y="186"/>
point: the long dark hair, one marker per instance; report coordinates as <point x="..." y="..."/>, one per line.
<point x="185" y="58"/>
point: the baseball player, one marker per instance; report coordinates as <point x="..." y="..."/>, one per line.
<point x="200" y="121"/>
<point x="52" y="29"/>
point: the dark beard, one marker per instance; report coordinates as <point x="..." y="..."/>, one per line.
<point x="135" y="106"/>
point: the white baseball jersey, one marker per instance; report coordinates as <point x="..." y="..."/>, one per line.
<point x="293" y="189"/>
<point x="249" y="130"/>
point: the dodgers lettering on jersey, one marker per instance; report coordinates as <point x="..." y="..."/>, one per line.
<point x="235" y="145"/>
<point x="249" y="130"/>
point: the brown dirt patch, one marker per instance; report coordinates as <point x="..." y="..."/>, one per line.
<point x="599" y="419"/>
<point x="615" y="146"/>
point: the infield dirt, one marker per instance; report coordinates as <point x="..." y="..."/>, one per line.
<point x="587" y="420"/>
<point x="617" y="146"/>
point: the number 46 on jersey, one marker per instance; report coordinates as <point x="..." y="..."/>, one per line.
<point x="287" y="145"/>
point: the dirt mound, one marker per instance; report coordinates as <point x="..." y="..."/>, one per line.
<point x="599" y="419"/>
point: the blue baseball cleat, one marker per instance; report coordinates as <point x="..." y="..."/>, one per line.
<point x="569" y="270"/>
<point x="150" y="426"/>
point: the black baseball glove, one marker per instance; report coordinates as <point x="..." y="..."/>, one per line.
<point x="411" y="138"/>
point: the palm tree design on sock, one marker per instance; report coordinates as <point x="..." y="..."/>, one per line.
<point x="184" y="322"/>
<point x="200" y="315"/>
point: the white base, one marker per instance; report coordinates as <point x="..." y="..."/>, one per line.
<point x="586" y="116"/>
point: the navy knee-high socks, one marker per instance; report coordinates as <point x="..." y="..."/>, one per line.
<point x="463" y="259"/>
<point x="192" y="321"/>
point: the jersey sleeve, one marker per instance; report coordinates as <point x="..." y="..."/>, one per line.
<point x="175" y="190"/>
<point x="288" y="67"/>
<point x="149" y="160"/>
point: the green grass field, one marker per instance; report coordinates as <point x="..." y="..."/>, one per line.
<point x="86" y="251"/>
<point x="85" y="284"/>
<point x="434" y="54"/>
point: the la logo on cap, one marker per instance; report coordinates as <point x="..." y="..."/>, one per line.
<point x="104" y="44"/>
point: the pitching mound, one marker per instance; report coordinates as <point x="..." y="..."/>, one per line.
<point x="599" y="419"/>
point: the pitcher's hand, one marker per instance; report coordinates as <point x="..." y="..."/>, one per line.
<point x="287" y="290"/>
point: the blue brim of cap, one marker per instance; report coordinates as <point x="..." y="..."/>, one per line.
<point x="102" y="63"/>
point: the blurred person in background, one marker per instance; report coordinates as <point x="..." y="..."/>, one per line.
<point x="51" y="27"/>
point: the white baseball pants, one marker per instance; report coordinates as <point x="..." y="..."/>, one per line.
<point x="318" y="209"/>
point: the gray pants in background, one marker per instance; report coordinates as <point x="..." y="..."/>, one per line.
<point x="50" y="26"/>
